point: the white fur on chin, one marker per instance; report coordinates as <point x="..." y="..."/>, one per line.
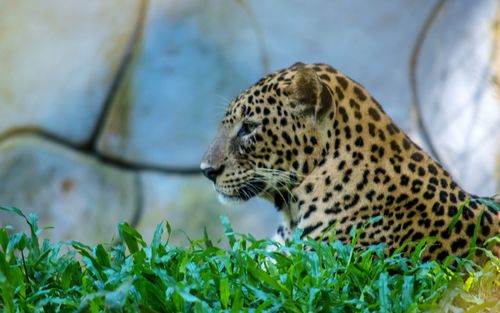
<point x="228" y="201"/>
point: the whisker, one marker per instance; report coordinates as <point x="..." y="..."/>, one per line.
<point x="258" y="179"/>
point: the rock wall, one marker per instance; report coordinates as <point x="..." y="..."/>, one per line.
<point x="107" y="107"/>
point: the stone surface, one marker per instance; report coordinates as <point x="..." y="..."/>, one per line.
<point x="460" y="104"/>
<point x="57" y="61"/>
<point x="82" y="199"/>
<point x="190" y="204"/>
<point x="194" y="60"/>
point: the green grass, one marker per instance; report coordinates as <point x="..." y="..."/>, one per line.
<point x="304" y="276"/>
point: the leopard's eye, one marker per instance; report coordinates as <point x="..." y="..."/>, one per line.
<point x="247" y="128"/>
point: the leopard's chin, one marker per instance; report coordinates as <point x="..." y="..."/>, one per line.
<point x="229" y="200"/>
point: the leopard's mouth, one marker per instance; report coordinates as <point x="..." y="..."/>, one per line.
<point x="243" y="193"/>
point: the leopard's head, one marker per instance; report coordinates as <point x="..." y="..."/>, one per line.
<point x="269" y="138"/>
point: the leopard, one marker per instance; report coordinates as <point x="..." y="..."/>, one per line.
<point x="317" y="145"/>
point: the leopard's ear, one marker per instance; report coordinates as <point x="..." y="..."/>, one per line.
<point x="308" y="94"/>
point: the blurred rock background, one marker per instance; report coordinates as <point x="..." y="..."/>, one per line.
<point x="106" y="107"/>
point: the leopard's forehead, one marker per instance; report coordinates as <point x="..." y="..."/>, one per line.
<point x="264" y="92"/>
<point x="267" y="91"/>
<point x="271" y="94"/>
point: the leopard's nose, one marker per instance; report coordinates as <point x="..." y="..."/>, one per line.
<point x="210" y="172"/>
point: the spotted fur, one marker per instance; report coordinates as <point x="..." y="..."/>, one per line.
<point x="316" y="144"/>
